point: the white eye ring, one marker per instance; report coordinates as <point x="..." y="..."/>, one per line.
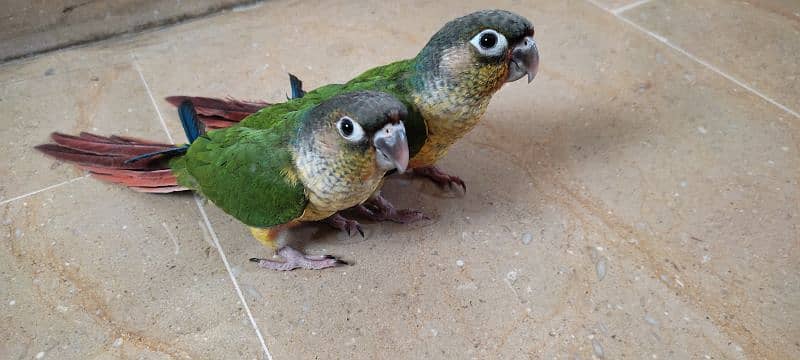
<point x="350" y="129"/>
<point x="490" y="43"/>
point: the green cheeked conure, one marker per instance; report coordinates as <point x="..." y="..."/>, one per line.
<point x="298" y="165"/>
<point x="446" y="89"/>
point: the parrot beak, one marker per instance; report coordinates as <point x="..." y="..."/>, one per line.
<point x="392" y="147"/>
<point x="524" y="60"/>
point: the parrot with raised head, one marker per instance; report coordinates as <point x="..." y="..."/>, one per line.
<point x="297" y="166"/>
<point x="446" y="89"/>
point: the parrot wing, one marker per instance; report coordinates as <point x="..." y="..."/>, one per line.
<point x="246" y="172"/>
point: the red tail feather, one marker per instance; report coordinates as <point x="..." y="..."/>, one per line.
<point x="104" y="158"/>
<point x="106" y="146"/>
<point x="220" y="113"/>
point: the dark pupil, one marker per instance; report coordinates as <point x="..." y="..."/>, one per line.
<point x="347" y="127"/>
<point x="488" y="40"/>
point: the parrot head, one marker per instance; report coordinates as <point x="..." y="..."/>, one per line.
<point x="482" y="50"/>
<point x="358" y="134"/>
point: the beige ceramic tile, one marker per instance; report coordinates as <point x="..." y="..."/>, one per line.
<point x="788" y="8"/>
<point x="97" y="100"/>
<point x="629" y="148"/>
<point x="619" y="4"/>
<point x="755" y="42"/>
<point x="90" y="270"/>
<point x="61" y="63"/>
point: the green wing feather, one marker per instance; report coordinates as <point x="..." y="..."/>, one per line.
<point x="243" y="171"/>
<point x="395" y="79"/>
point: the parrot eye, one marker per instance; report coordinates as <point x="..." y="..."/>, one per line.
<point x="490" y="43"/>
<point x="350" y="129"/>
<point x="488" y="40"/>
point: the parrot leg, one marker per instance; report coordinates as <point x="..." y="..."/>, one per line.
<point x="293" y="259"/>
<point x="340" y="222"/>
<point x="383" y="210"/>
<point x="440" y="177"/>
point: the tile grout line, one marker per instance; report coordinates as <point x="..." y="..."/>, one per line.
<point x="43" y="189"/>
<point x="152" y="99"/>
<point x="214" y="236"/>
<point x="632" y="5"/>
<point x="233" y="277"/>
<point x="696" y="59"/>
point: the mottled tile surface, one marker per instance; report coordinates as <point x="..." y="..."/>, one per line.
<point x="617" y="5"/>
<point x="90" y="269"/>
<point x="101" y="99"/>
<point x="757" y="42"/>
<point x="630" y="203"/>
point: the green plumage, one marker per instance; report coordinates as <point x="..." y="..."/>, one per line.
<point x="242" y="170"/>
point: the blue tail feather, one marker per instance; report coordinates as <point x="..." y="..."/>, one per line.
<point x="297" y="87"/>
<point x="191" y="124"/>
<point x="166" y="153"/>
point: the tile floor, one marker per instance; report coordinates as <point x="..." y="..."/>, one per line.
<point x="638" y="200"/>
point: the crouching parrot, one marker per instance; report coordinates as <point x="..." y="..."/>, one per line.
<point x="445" y="88"/>
<point x="295" y="166"/>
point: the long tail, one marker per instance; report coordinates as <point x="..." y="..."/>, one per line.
<point x="217" y="113"/>
<point x="138" y="164"/>
<point x="106" y="159"/>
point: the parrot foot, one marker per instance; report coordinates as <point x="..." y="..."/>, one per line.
<point x="383" y="210"/>
<point x="340" y="222"/>
<point x="294" y="259"/>
<point x="440" y="177"/>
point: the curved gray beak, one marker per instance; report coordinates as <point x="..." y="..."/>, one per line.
<point x="524" y="60"/>
<point x="392" y="147"/>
